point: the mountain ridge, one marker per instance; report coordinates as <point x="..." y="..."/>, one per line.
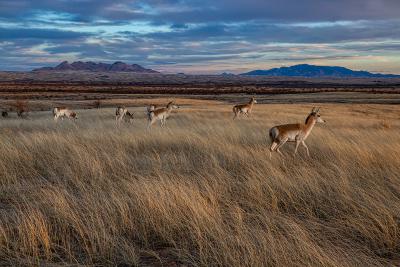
<point x="117" y="66"/>
<point x="314" y="71"/>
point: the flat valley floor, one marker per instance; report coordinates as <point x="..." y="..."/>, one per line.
<point x="202" y="191"/>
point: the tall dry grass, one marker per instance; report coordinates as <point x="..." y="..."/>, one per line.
<point x="201" y="192"/>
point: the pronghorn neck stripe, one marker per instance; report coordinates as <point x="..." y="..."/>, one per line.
<point x="310" y="122"/>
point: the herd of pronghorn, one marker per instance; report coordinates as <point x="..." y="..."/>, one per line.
<point x="279" y="135"/>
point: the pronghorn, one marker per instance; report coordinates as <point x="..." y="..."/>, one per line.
<point x="161" y="114"/>
<point x="63" y="112"/>
<point x="122" y="113"/>
<point x="244" y="108"/>
<point x="297" y="132"/>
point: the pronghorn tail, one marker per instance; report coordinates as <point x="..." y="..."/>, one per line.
<point x="150" y="110"/>
<point x="273" y="134"/>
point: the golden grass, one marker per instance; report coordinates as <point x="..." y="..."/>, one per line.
<point x="201" y="192"/>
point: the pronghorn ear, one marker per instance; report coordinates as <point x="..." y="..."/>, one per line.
<point x="313" y="110"/>
<point x="316" y="111"/>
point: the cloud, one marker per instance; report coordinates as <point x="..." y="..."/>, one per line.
<point x="194" y="34"/>
<point x="42" y="34"/>
<point x="184" y="11"/>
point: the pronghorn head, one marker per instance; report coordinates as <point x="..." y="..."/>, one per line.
<point x="253" y="100"/>
<point x="74" y="115"/>
<point x="172" y="105"/>
<point x="315" y="115"/>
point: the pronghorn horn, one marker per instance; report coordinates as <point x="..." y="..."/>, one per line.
<point x="317" y="110"/>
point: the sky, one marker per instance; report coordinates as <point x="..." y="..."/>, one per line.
<point x="202" y="36"/>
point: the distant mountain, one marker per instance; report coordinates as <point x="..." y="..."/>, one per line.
<point x="312" y="71"/>
<point x="227" y="74"/>
<point x="101" y="67"/>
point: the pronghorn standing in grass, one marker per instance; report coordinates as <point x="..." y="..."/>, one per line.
<point x="161" y="114"/>
<point x="63" y="112"/>
<point x="244" y="108"/>
<point x="122" y="113"/>
<point x="297" y="132"/>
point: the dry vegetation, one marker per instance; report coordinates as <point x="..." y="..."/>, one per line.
<point x="201" y="192"/>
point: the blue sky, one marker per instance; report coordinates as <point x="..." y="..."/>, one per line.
<point x="207" y="36"/>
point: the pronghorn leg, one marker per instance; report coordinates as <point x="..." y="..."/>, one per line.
<point x="272" y="148"/>
<point x="281" y="143"/>
<point x="304" y="144"/>
<point x="151" y="122"/>
<point x="297" y="146"/>
<point x="234" y="116"/>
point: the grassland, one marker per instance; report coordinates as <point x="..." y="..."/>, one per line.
<point x="202" y="191"/>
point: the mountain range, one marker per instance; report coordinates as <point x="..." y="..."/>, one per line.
<point x="100" y="67"/>
<point x="312" y="71"/>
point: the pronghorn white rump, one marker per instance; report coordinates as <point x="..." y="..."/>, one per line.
<point x="161" y="114"/>
<point x="61" y="112"/>
<point x="122" y="113"/>
<point x="297" y="132"/>
<point x="244" y="108"/>
<point x="150" y="108"/>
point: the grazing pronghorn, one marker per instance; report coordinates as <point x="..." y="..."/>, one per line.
<point x="161" y="114"/>
<point x="64" y="112"/>
<point x="297" y="132"/>
<point x="122" y="113"/>
<point x="244" y="108"/>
